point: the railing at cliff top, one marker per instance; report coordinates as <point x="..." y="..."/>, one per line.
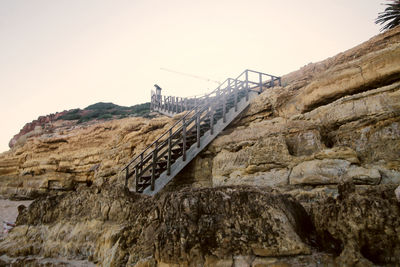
<point x="203" y="109"/>
<point x="172" y="104"/>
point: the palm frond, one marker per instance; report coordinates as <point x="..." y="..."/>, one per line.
<point x="389" y="18"/>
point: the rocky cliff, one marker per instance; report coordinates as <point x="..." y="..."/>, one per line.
<point x="73" y="154"/>
<point x="306" y="174"/>
<point x="222" y="226"/>
<point x="335" y="120"/>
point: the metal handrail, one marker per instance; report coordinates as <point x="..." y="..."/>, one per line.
<point x="196" y="111"/>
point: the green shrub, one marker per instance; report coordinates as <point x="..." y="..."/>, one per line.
<point x="71" y="115"/>
<point x="101" y="106"/>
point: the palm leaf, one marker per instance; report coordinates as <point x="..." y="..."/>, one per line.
<point x="389" y="18"/>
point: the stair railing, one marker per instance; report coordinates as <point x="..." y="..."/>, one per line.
<point x="198" y="111"/>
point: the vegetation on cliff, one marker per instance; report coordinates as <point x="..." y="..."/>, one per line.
<point x="106" y="111"/>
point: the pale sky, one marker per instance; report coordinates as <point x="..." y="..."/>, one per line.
<point x="63" y="54"/>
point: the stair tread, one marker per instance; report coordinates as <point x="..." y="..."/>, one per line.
<point x="222" y="105"/>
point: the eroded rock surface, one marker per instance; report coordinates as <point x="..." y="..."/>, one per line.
<point x="225" y="226"/>
<point x="74" y="155"/>
<point x="362" y="225"/>
<point x="191" y="226"/>
<point x="332" y="121"/>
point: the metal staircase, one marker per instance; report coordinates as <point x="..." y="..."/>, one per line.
<point x="204" y="119"/>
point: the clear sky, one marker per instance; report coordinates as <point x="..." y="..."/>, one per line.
<point x="62" y="54"/>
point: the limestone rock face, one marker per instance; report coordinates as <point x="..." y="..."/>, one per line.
<point x="37" y="127"/>
<point x="239" y="225"/>
<point x="188" y="227"/>
<point x="361" y="224"/>
<point x="332" y="121"/>
<point x="72" y="155"/>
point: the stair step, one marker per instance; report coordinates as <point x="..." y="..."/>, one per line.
<point x="162" y="163"/>
<point x="206" y="124"/>
<point x="144" y="178"/>
<point x="176" y="150"/>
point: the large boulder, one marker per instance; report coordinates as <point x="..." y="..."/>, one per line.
<point x="190" y="226"/>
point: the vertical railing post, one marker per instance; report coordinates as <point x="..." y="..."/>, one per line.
<point x="247" y="85"/>
<point x="224" y="99"/>
<point x="169" y="153"/>
<point x="154" y="163"/>
<point x="260" y="82"/>
<point x="126" y="175"/>
<point x="184" y="139"/>
<point x="141" y="163"/>
<point x="236" y="95"/>
<point x="271" y="83"/>
<point x="176" y="104"/>
<point x="198" y="127"/>
<point x="136" y="178"/>
<point x="181" y="104"/>
<point x="186" y="103"/>
<point x="212" y="119"/>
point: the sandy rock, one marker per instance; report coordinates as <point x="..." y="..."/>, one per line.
<point x="397" y="193"/>
<point x="274" y="177"/>
<point x="317" y="172"/>
<point x="361" y="225"/>
<point x="360" y="175"/>
<point x="346" y="78"/>
<point x="211" y="261"/>
<point x="263" y="262"/>
<point x="243" y="261"/>
<point x="72" y="155"/>
<point x="340" y="152"/>
<point x="185" y="227"/>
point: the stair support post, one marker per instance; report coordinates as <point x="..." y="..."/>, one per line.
<point x="197" y="127"/>
<point x="169" y="153"/>
<point x="181" y="104"/>
<point x="186" y="104"/>
<point x="141" y="163"/>
<point x="236" y="95"/>
<point x="247" y="85"/>
<point x="212" y="120"/>
<point x="167" y="104"/>
<point x="136" y="178"/>
<point x="154" y="163"/>
<point x="184" y="140"/>
<point x="126" y="175"/>
<point x="224" y="100"/>
<point x="260" y="82"/>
